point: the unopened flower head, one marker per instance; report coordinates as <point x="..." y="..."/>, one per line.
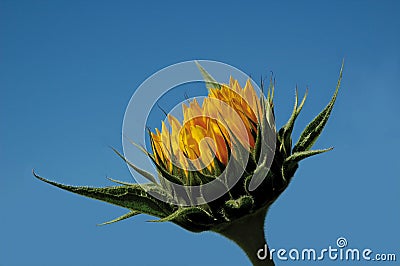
<point x="204" y="141"/>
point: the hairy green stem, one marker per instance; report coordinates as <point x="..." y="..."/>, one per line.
<point x="248" y="233"/>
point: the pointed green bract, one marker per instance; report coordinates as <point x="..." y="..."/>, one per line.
<point x="298" y="156"/>
<point x="120" y="182"/>
<point x="285" y="134"/>
<point x="314" y="129"/>
<point x="142" y="172"/>
<point x="211" y="83"/>
<point x="236" y="208"/>
<point x="181" y="213"/>
<point x="123" y="217"/>
<point x="133" y="197"/>
<point x="166" y="174"/>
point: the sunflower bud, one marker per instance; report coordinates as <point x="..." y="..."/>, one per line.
<point x="230" y="141"/>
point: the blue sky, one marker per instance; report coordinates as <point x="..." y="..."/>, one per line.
<point x="69" y="68"/>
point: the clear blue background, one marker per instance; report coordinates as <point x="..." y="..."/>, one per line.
<point x="69" y="68"/>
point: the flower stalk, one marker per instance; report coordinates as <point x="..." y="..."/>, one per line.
<point x="248" y="233"/>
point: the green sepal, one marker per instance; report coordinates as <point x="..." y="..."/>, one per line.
<point x="246" y="182"/>
<point x="211" y="83"/>
<point x="120" y="182"/>
<point x="267" y="136"/>
<point x="262" y="130"/>
<point x="315" y="127"/>
<point x="236" y="208"/>
<point x="285" y="133"/>
<point x="298" y="156"/>
<point x="203" y="178"/>
<point x="132" y="197"/>
<point x="123" y="217"/>
<point x="164" y="173"/>
<point x="255" y="152"/>
<point x="197" y="178"/>
<point x="144" y="173"/>
<point x="290" y="164"/>
<point x="191" y="218"/>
